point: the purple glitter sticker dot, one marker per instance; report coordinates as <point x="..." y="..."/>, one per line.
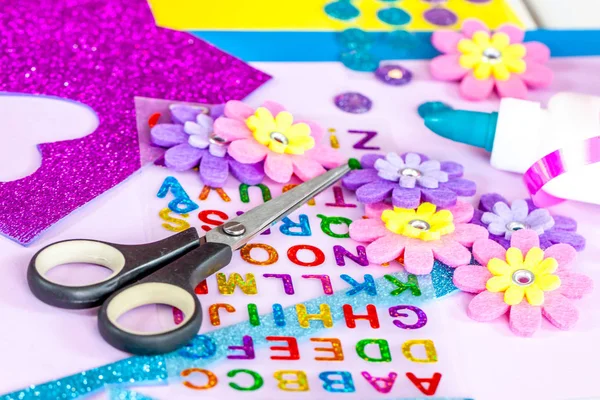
<point x="353" y="102"/>
<point x="440" y="17"/>
<point x="393" y="75"/>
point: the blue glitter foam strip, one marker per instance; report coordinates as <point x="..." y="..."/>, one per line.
<point x="122" y="394"/>
<point x="145" y="370"/>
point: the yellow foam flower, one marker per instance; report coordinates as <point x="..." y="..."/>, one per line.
<point x="423" y="223"/>
<point x="279" y="133"/>
<point x="492" y="55"/>
<point x="523" y="277"/>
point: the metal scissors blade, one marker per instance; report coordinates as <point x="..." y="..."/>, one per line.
<point x="240" y="230"/>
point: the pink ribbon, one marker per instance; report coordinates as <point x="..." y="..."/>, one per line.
<point x="558" y="163"/>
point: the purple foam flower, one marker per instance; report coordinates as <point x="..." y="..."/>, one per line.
<point x="502" y="219"/>
<point x="191" y="142"/>
<point x="408" y="180"/>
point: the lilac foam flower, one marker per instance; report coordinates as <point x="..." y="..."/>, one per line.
<point x="502" y="219"/>
<point x="407" y="180"/>
<point x="191" y="143"/>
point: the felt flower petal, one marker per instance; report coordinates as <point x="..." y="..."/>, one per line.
<point x="441" y="197"/>
<point x="467" y="234"/>
<point x="524" y="240"/>
<point x="489" y="200"/>
<point x="564" y="254"/>
<point x="472" y="25"/>
<point x="462" y="187"/>
<point x="487" y="306"/>
<point x="536" y="51"/>
<point x="447" y="68"/>
<point x="247" y="151"/>
<point x="453" y="169"/>
<point x="316" y="130"/>
<point x="279" y="167"/>
<point x="539" y="220"/>
<point x="306" y="168"/>
<point x="560" y="311"/>
<point x="183" y="157"/>
<point x="452" y="253"/>
<point x="326" y="156"/>
<point x="519" y="210"/>
<point x="515" y="33"/>
<point x="512" y="87"/>
<point x="368" y="160"/>
<point x="385" y="249"/>
<point x="237" y="110"/>
<point x="376" y="209"/>
<point x="564" y="223"/>
<point x="367" y="230"/>
<point x="213" y="170"/>
<point x="462" y="212"/>
<point x="168" y="135"/>
<point x="374" y="192"/>
<point x="406" y="197"/>
<point x="471" y="278"/>
<point x="181" y="113"/>
<point x="474" y="89"/>
<point x="446" y="41"/>
<point x="418" y="259"/>
<point x="485" y="249"/>
<point x="574" y="285"/>
<point x="250" y="174"/>
<point x="571" y="238"/>
<point x="231" y="129"/>
<point x="502" y="210"/>
<point x="537" y="75"/>
<point x="525" y="319"/>
<point x="359" y="177"/>
<point x="273" y="107"/>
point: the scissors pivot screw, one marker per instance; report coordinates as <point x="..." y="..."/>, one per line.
<point x="234" y="228"/>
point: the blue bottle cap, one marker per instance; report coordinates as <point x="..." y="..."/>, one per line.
<point x="471" y="127"/>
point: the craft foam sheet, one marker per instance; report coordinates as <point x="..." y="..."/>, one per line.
<point x="42" y="343"/>
<point x="309" y="15"/>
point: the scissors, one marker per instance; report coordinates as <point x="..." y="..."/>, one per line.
<point x="164" y="272"/>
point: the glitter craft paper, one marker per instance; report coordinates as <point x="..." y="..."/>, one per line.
<point x="102" y="54"/>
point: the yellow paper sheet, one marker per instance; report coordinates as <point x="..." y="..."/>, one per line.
<point x="309" y="15"/>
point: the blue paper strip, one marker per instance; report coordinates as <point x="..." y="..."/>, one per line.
<point x="324" y="46"/>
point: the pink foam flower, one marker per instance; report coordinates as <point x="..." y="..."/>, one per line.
<point x="525" y="281"/>
<point x="483" y="61"/>
<point x="419" y="236"/>
<point x="271" y="134"/>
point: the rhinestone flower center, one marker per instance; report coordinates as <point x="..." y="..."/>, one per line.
<point x="279" y="137"/>
<point x="492" y="55"/>
<point x="410" y="172"/>
<point x="218" y="140"/>
<point x="523" y="277"/>
<point x="420" y="224"/>
<point x="516" y="226"/>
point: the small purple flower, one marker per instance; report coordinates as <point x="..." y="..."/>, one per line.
<point x="409" y="179"/>
<point x="502" y="219"/>
<point x="191" y="142"/>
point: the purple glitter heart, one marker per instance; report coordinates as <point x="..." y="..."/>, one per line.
<point x="352" y="102"/>
<point x="101" y="53"/>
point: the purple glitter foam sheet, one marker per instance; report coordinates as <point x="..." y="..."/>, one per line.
<point x="101" y="53"/>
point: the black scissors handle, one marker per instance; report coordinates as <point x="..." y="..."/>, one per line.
<point x="128" y="263"/>
<point x="172" y="285"/>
